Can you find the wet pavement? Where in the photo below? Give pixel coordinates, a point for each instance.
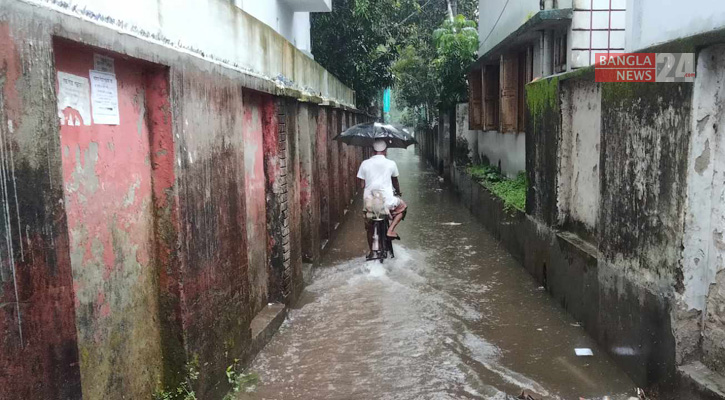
(453, 316)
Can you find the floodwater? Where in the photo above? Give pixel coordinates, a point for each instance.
(453, 316)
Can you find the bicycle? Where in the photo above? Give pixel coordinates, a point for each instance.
(382, 244)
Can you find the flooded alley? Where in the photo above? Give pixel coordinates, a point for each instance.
(453, 316)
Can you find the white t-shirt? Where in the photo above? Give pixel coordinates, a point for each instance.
(377, 172)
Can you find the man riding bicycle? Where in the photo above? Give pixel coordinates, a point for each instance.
(379, 177)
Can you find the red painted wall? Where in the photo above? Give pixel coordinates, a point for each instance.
(334, 169)
(322, 154)
(108, 199)
(208, 120)
(38, 349)
(344, 166)
(132, 249)
(255, 105)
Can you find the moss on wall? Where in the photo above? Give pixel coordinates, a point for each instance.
(541, 95)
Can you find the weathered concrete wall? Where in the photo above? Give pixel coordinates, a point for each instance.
(578, 180)
(131, 250)
(266, 54)
(277, 200)
(638, 225)
(466, 139)
(294, 182)
(507, 150)
(443, 148)
(323, 173)
(255, 105)
(110, 221)
(310, 181)
(209, 121)
(38, 340)
(625, 208)
(334, 168)
(702, 295)
(344, 166)
(645, 136)
(543, 132)
(608, 169)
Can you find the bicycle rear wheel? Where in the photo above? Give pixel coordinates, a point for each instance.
(387, 241)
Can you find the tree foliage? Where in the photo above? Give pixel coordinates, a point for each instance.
(456, 46)
(416, 83)
(356, 43)
(373, 44)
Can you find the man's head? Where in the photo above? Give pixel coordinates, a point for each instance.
(379, 146)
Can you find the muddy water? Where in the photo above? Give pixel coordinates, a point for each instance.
(453, 316)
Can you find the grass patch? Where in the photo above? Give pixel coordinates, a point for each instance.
(511, 191)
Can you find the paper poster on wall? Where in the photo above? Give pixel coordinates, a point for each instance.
(104, 98)
(74, 105)
(103, 63)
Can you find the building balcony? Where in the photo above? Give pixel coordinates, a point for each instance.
(309, 5)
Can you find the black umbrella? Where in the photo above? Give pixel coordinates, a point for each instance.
(365, 134)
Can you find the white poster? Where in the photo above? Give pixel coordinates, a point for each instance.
(103, 63)
(74, 106)
(104, 98)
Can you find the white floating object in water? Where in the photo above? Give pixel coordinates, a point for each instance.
(583, 352)
(451, 223)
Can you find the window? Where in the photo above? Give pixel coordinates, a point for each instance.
(509, 92)
(526, 75)
(517, 70)
(560, 50)
(491, 97)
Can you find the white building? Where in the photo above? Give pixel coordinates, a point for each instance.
(289, 18)
(522, 40)
(653, 22)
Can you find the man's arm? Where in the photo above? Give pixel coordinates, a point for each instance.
(362, 183)
(394, 177)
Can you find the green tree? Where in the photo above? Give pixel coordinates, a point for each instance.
(416, 83)
(421, 81)
(356, 43)
(456, 46)
(371, 44)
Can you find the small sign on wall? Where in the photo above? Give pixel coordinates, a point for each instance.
(74, 106)
(104, 98)
(103, 63)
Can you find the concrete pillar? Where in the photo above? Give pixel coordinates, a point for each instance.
(700, 314)
(294, 273)
(43, 362)
(309, 195)
(334, 167)
(255, 106)
(275, 163)
(344, 168)
(351, 172)
(323, 182)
